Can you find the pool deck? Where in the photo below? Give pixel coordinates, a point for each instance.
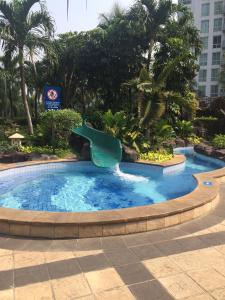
(185, 262)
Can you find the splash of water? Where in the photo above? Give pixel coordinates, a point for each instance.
(128, 177)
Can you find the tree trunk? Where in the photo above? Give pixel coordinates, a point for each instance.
(23, 91)
(150, 49)
(36, 92)
(10, 100)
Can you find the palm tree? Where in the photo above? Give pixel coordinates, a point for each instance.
(157, 13)
(22, 30)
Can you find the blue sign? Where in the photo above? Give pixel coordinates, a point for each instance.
(52, 97)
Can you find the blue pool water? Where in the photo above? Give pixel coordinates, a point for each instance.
(76, 187)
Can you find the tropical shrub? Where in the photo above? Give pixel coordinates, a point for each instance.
(45, 150)
(56, 127)
(194, 140)
(162, 132)
(219, 141)
(6, 147)
(126, 129)
(184, 129)
(157, 156)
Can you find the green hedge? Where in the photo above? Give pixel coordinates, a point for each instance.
(55, 127)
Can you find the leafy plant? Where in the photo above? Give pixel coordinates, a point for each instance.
(157, 156)
(45, 150)
(184, 129)
(219, 141)
(162, 132)
(56, 127)
(194, 140)
(6, 147)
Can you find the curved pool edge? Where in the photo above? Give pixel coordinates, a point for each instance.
(113, 222)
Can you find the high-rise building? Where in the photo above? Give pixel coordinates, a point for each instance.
(209, 17)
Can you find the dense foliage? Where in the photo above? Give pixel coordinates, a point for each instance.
(56, 126)
(219, 141)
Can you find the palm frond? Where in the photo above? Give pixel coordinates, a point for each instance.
(27, 5)
(41, 20)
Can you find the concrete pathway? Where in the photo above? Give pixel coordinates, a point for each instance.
(183, 262)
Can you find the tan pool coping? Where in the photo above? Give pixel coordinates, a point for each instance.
(113, 222)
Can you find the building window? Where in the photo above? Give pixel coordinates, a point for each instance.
(205, 40)
(217, 24)
(215, 74)
(205, 9)
(217, 41)
(202, 90)
(202, 75)
(203, 59)
(216, 58)
(205, 26)
(214, 91)
(218, 7)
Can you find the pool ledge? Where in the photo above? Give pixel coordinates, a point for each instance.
(115, 222)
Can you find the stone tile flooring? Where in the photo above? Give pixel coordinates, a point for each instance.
(182, 262)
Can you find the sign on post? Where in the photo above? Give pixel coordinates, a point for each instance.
(52, 97)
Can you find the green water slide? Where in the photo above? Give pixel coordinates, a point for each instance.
(106, 151)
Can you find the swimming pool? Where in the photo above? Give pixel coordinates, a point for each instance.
(82, 187)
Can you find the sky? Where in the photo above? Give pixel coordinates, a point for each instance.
(81, 18)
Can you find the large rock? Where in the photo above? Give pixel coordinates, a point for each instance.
(13, 157)
(129, 154)
(219, 153)
(204, 148)
(40, 157)
(180, 143)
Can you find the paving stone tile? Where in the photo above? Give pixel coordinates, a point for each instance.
(35, 291)
(162, 267)
(198, 259)
(180, 286)
(218, 294)
(93, 262)
(220, 248)
(6, 263)
(121, 257)
(88, 244)
(191, 243)
(55, 256)
(134, 273)
(150, 290)
(70, 287)
(217, 228)
(169, 247)
(6, 280)
(62, 245)
(89, 297)
(36, 245)
(137, 239)
(213, 238)
(122, 293)
(7, 295)
(113, 242)
(103, 280)
(27, 259)
(85, 253)
(30, 275)
(147, 251)
(208, 279)
(200, 297)
(63, 268)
